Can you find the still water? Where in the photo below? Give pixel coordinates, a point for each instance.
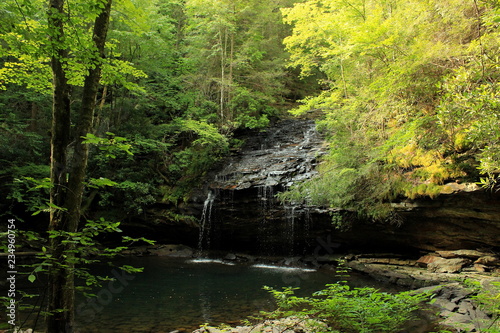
(183, 294)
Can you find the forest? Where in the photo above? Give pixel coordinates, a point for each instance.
(405, 107)
(110, 107)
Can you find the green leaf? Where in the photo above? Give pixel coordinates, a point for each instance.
(101, 182)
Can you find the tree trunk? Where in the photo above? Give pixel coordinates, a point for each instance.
(222, 74)
(67, 192)
(58, 294)
(89, 97)
(230, 85)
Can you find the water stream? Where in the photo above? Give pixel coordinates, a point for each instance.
(206, 222)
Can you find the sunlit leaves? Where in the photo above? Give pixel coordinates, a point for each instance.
(28, 44)
(411, 92)
(124, 74)
(101, 182)
(110, 146)
(22, 59)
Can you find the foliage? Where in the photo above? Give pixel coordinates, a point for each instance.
(129, 197)
(407, 107)
(27, 187)
(19, 145)
(346, 309)
(235, 49)
(110, 146)
(87, 249)
(202, 145)
(28, 49)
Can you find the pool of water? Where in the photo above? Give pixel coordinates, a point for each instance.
(183, 294)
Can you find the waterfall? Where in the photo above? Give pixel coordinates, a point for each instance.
(266, 198)
(206, 222)
(307, 226)
(290, 228)
(248, 214)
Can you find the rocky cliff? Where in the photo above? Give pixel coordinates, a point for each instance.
(237, 209)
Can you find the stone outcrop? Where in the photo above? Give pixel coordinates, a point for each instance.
(402, 275)
(448, 265)
(459, 220)
(453, 302)
(281, 156)
(458, 309)
(429, 269)
(457, 261)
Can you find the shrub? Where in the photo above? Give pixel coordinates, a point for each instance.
(347, 309)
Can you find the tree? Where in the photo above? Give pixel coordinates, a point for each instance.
(68, 174)
(235, 50)
(408, 95)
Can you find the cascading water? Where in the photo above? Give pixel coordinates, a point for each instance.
(206, 222)
(307, 224)
(290, 228)
(267, 203)
(269, 162)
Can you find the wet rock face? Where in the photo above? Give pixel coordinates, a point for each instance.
(281, 156)
(239, 209)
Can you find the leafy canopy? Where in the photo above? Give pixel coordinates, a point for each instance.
(410, 99)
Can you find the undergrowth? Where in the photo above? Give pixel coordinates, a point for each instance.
(340, 308)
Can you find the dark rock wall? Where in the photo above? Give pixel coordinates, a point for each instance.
(249, 221)
(462, 220)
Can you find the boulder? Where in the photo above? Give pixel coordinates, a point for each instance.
(230, 256)
(442, 265)
(426, 260)
(481, 268)
(457, 308)
(459, 320)
(488, 261)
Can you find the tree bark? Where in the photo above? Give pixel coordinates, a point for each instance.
(89, 98)
(230, 85)
(68, 180)
(58, 294)
(222, 73)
